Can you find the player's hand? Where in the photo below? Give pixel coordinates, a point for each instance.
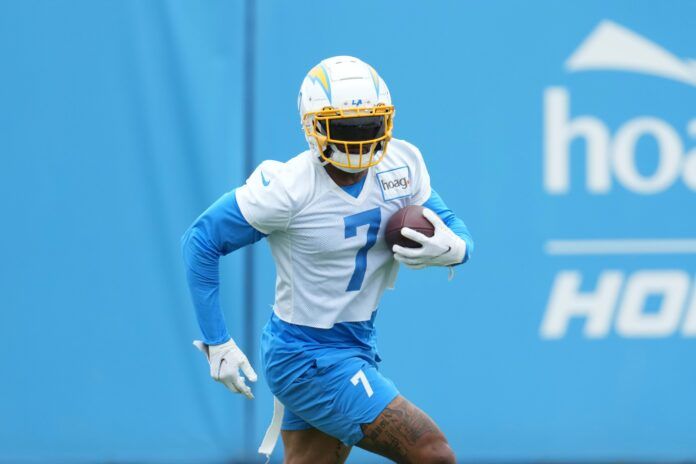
(444, 248)
(226, 360)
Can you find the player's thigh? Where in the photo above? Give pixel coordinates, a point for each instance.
(312, 446)
(405, 434)
(338, 398)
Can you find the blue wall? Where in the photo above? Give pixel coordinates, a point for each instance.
(121, 121)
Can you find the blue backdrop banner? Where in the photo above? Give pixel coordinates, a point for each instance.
(563, 133)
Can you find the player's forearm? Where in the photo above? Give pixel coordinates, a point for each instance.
(457, 226)
(203, 276)
(220, 230)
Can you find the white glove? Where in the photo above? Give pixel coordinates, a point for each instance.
(225, 362)
(444, 248)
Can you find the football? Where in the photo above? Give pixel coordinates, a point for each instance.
(411, 217)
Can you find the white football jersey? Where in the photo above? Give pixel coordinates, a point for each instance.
(332, 261)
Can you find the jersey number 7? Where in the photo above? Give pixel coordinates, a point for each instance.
(373, 218)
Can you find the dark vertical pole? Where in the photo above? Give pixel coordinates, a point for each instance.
(249, 286)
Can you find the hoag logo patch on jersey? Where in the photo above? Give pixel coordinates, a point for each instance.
(395, 183)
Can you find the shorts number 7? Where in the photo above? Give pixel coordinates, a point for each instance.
(362, 378)
(373, 218)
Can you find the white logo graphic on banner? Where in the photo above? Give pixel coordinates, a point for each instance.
(612, 47)
(619, 300)
(610, 158)
(606, 304)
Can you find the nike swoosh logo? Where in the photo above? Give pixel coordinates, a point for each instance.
(264, 181)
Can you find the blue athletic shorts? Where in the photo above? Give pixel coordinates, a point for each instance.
(328, 380)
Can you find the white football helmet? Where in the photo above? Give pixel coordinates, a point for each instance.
(346, 113)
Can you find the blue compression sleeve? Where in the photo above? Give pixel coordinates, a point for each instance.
(220, 230)
(453, 222)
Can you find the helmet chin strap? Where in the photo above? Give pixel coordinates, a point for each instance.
(350, 170)
(343, 158)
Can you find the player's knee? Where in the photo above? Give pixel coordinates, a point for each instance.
(437, 451)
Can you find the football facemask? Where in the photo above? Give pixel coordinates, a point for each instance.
(362, 134)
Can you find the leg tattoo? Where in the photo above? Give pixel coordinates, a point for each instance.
(403, 433)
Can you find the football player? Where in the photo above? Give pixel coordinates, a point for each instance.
(323, 214)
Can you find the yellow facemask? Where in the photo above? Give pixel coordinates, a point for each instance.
(317, 125)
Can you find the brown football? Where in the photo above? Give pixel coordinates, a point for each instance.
(411, 217)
